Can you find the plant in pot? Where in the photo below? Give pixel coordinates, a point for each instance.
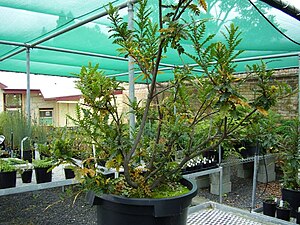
(63, 149)
(26, 174)
(43, 170)
(23, 167)
(8, 175)
(283, 210)
(289, 159)
(269, 206)
(177, 122)
(260, 135)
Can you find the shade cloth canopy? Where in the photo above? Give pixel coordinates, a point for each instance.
(266, 32)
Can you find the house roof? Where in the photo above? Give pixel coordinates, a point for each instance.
(52, 88)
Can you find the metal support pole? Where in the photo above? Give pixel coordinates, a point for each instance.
(131, 73)
(256, 159)
(28, 114)
(299, 87)
(221, 185)
(299, 105)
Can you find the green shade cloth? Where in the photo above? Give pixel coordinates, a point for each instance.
(24, 21)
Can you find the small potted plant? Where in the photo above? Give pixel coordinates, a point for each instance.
(269, 206)
(43, 170)
(8, 174)
(289, 160)
(63, 148)
(283, 210)
(23, 168)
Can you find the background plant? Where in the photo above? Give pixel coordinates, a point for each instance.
(15, 123)
(289, 158)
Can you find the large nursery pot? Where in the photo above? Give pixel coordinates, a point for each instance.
(293, 198)
(8, 179)
(112, 209)
(42, 175)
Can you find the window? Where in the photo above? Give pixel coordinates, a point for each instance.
(46, 117)
(13, 102)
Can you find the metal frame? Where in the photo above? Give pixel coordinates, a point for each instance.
(280, 4)
(207, 172)
(285, 7)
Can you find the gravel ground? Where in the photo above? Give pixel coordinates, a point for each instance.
(241, 193)
(54, 207)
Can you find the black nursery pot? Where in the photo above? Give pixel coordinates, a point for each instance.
(269, 208)
(112, 209)
(27, 155)
(293, 198)
(69, 173)
(298, 217)
(8, 179)
(26, 176)
(283, 214)
(42, 176)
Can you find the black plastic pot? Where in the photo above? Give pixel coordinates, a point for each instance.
(283, 213)
(293, 198)
(249, 149)
(69, 173)
(269, 208)
(42, 176)
(298, 218)
(26, 176)
(112, 209)
(27, 155)
(8, 179)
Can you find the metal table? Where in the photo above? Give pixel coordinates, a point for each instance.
(207, 172)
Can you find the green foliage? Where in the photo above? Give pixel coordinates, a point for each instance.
(15, 161)
(271, 199)
(42, 163)
(289, 153)
(170, 190)
(16, 123)
(191, 114)
(6, 166)
(285, 205)
(61, 146)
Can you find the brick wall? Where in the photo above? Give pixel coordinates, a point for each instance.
(287, 106)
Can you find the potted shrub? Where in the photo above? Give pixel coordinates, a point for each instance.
(8, 175)
(43, 170)
(177, 122)
(289, 160)
(63, 149)
(23, 168)
(269, 206)
(283, 210)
